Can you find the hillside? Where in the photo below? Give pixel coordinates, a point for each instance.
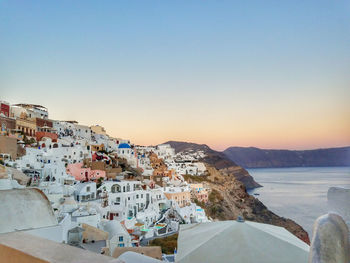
(217, 160)
(251, 157)
(229, 199)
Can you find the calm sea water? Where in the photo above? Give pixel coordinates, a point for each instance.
(299, 193)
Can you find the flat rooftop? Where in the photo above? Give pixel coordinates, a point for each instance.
(21, 247)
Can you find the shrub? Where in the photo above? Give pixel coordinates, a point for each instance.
(199, 203)
(215, 196)
(168, 244)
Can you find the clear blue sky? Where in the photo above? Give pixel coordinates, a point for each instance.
(273, 74)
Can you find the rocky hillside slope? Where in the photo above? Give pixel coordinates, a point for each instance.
(261, 158)
(229, 199)
(217, 160)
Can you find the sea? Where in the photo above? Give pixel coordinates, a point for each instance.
(298, 193)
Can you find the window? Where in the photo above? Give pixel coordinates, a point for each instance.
(121, 245)
(137, 196)
(116, 188)
(88, 189)
(121, 238)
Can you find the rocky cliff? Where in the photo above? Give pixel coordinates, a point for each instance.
(251, 157)
(217, 160)
(229, 199)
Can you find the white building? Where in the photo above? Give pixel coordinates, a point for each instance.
(85, 191)
(117, 235)
(125, 151)
(72, 129)
(83, 131)
(30, 110)
(164, 151)
(51, 160)
(126, 199)
(86, 215)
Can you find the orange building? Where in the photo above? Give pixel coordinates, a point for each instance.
(182, 198)
(159, 167)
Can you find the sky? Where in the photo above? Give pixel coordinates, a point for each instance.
(269, 74)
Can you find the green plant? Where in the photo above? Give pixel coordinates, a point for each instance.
(168, 244)
(215, 196)
(199, 203)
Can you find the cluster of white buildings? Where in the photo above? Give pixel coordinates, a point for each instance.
(78, 168)
(75, 184)
(182, 163)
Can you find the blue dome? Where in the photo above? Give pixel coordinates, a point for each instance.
(124, 146)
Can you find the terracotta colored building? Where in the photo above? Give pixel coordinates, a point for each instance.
(4, 108)
(43, 123)
(157, 179)
(159, 167)
(41, 134)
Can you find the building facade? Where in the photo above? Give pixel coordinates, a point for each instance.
(5, 108)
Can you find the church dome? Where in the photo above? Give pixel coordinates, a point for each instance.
(124, 146)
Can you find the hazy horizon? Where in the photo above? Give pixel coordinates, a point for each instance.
(269, 74)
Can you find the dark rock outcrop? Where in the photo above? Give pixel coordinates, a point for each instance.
(251, 157)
